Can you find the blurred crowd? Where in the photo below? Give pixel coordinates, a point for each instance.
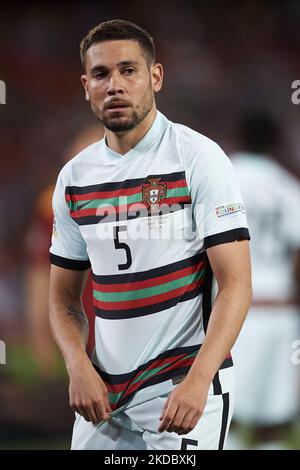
(220, 60)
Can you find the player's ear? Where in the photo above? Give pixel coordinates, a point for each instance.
(83, 79)
(157, 74)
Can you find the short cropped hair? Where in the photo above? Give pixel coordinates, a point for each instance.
(115, 30)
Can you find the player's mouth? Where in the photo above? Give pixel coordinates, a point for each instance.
(116, 106)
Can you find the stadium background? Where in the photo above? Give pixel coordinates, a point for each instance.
(220, 58)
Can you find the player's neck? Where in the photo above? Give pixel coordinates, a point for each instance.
(125, 141)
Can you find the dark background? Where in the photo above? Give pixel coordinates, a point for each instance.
(220, 59)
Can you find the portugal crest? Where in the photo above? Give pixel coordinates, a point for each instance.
(153, 193)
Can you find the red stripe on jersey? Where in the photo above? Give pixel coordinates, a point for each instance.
(117, 388)
(119, 192)
(127, 305)
(135, 207)
(135, 285)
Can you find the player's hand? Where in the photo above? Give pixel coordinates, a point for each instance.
(184, 407)
(88, 394)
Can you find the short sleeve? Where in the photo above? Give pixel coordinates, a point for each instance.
(217, 203)
(68, 248)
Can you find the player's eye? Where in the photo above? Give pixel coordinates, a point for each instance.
(129, 71)
(100, 75)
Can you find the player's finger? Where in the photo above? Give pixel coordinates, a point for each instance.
(76, 409)
(195, 419)
(89, 410)
(101, 412)
(177, 420)
(83, 413)
(168, 416)
(186, 423)
(107, 404)
(164, 407)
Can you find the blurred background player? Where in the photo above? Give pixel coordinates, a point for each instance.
(37, 276)
(267, 388)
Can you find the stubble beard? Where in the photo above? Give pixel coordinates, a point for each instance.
(121, 124)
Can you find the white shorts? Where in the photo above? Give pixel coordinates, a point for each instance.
(136, 428)
(267, 381)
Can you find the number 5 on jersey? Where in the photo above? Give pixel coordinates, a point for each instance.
(122, 246)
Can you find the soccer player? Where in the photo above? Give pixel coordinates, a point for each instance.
(155, 210)
(269, 404)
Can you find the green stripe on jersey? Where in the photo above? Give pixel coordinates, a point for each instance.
(121, 200)
(148, 291)
(148, 373)
(114, 397)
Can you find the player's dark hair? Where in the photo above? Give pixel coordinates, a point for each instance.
(119, 29)
(258, 132)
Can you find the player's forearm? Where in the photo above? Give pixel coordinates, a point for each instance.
(69, 327)
(227, 317)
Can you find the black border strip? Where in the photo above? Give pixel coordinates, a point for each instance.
(150, 273)
(217, 384)
(75, 265)
(228, 362)
(206, 299)
(225, 414)
(129, 183)
(237, 234)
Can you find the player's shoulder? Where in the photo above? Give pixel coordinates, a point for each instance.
(76, 164)
(197, 148)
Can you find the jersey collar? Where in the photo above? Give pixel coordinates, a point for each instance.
(154, 134)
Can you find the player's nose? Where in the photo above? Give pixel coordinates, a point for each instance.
(115, 85)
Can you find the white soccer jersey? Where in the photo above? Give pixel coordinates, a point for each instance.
(132, 218)
(272, 199)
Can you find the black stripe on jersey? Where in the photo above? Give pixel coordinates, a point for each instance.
(225, 414)
(237, 234)
(150, 273)
(75, 265)
(149, 309)
(217, 385)
(227, 363)
(206, 299)
(156, 379)
(162, 377)
(95, 219)
(206, 309)
(129, 183)
(115, 379)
